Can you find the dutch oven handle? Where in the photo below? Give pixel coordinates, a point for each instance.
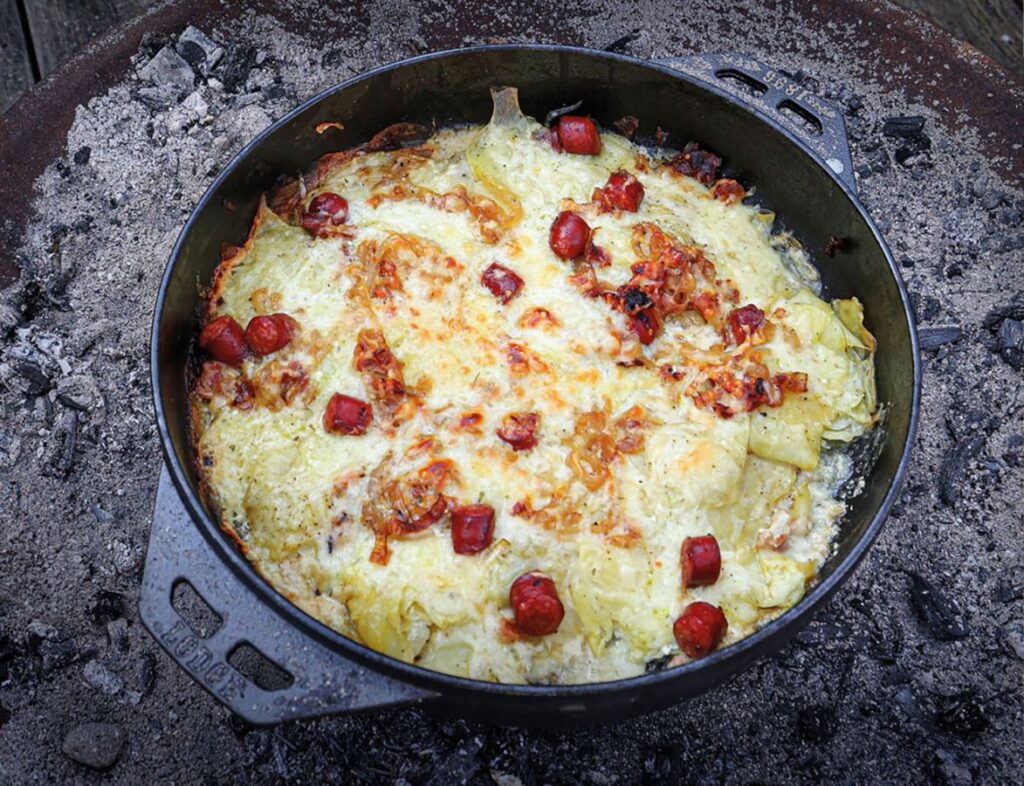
(311, 679)
(816, 122)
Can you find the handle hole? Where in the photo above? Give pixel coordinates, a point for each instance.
(800, 115)
(190, 605)
(258, 668)
(754, 87)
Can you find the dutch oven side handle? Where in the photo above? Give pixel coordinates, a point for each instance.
(308, 680)
(816, 122)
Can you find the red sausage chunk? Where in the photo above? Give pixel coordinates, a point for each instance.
(472, 528)
(744, 322)
(224, 340)
(264, 335)
(702, 561)
(347, 415)
(622, 192)
(569, 235)
(503, 283)
(325, 211)
(699, 629)
(578, 135)
(519, 429)
(536, 605)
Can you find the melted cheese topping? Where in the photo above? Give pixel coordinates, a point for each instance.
(297, 497)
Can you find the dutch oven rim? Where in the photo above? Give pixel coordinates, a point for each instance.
(780, 628)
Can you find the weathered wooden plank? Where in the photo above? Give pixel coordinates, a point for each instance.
(15, 61)
(62, 27)
(992, 26)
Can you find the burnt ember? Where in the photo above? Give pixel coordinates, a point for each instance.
(931, 338)
(904, 127)
(935, 611)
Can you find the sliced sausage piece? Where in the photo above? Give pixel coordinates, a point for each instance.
(472, 528)
(700, 629)
(569, 235)
(224, 340)
(536, 605)
(578, 135)
(503, 283)
(744, 322)
(347, 415)
(325, 211)
(264, 335)
(701, 560)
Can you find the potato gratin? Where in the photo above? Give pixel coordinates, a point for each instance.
(528, 404)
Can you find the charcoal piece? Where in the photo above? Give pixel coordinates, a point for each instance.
(107, 606)
(101, 678)
(58, 653)
(903, 127)
(816, 722)
(950, 770)
(10, 449)
(1010, 586)
(36, 380)
(937, 613)
(198, 50)
(961, 713)
(622, 44)
(151, 43)
(168, 69)
(234, 68)
(931, 338)
(59, 456)
(460, 766)
(82, 155)
(912, 147)
(1010, 340)
(158, 99)
(953, 473)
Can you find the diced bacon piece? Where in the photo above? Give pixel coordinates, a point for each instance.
(519, 430)
(697, 163)
(503, 283)
(728, 191)
(744, 322)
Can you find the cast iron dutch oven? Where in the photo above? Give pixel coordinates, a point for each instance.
(773, 135)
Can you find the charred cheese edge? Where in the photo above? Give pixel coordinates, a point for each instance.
(296, 497)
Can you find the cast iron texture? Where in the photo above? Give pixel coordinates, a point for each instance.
(445, 88)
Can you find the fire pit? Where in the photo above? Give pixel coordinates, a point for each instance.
(920, 657)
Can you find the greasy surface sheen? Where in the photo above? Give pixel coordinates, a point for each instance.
(297, 496)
